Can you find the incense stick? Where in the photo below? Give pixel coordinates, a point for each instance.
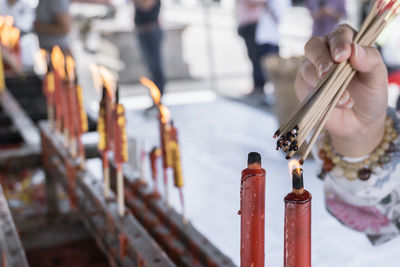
(311, 115)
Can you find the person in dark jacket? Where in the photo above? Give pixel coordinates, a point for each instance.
(150, 35)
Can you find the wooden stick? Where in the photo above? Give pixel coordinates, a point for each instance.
(106, 175)
(120, 190)
(326, 117)
(305, 102)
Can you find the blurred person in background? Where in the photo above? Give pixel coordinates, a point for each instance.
(53, 24)
(21, 11)
(150, 36)
(326, 15)
(267, 37)
(248, 14)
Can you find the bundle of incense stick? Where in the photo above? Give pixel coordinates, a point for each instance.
(313, 112)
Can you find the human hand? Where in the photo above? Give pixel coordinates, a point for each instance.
(357, 124)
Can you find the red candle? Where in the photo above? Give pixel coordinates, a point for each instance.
(155, 153)
(120, 142)
(252, 211)
(297, 244)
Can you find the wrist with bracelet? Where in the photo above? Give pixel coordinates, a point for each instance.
(363, 168)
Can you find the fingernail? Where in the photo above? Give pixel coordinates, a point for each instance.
(339, 53)
(323, 68)
(351, 104)
(345, 97)
(359, 51)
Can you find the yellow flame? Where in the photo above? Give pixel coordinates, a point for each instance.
(109, 81)
(154, 91)
(58, 61)
(97, 83)
(41, 60)
(14, 36)
(70, 67)
(165, 113)
(2, 21)
(8, 20)
(293, 164)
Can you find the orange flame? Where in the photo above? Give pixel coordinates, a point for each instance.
(70, 67)
(2, 21)
(8, 20)
(58, 61)
(165, 113)
(293, 164)
(9, 34)
(14, 36)
(41, 60)
(154, 91)
(108, 80)
(95, 72)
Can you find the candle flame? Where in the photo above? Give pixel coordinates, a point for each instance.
(8, 20)
(154, 91)
(165, 113)
(9, 34)
(293, 165)
(97, 83)
(41, 61)
(2, 21)
(108, 80)
(58, 61)
(70, 67)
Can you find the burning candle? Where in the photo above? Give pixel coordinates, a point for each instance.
(103, 141)
(165, 128)
(297, 243)
(83, 125)
(73, 114)
(48, 84)
(164, 131)
(105, 125)
(252, 211)
(120, 149)
(57, 60)
(177, 167)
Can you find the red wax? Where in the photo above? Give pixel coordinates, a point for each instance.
(297, 248)
(153, 164)
(117, 141)
(73, 110)
(252, 210)
(58, 97)
(66, 105)
(163, 143)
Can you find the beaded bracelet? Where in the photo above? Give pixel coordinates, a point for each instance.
(373, 164)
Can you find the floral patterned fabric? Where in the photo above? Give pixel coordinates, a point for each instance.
(371, 206)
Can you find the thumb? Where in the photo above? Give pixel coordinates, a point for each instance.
(367, 61)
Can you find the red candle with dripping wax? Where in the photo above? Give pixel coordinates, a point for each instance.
(154, 154)
(120, 141)
(297, 232)
(252, 211)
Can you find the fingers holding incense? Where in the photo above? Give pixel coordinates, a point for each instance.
(340, 43)
(309, 73)
(369, 65)
(317, 51)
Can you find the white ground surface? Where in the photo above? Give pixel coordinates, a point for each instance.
(215, 138)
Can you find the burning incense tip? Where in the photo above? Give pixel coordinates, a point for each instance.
(276, 134)
(288, 157)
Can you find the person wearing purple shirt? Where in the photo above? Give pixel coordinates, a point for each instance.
(326, 15)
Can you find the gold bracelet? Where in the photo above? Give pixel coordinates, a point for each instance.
(373, 164)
